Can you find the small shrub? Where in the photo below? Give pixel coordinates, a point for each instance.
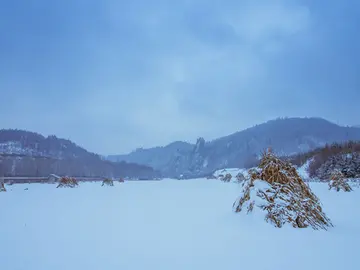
(108, 182)
(338, 182)
(67, 182)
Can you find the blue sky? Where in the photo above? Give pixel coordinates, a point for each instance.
(116, 75)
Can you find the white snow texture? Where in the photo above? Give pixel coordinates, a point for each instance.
(166, 225)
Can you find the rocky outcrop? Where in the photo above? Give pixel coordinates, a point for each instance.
(196, 162)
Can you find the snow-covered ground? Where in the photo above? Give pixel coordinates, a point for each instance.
(167, 225)
(303, 170)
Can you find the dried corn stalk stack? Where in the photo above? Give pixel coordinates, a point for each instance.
(240, 177)
(67, 182)
(2, 187)
(227, 178)
(108, 182)
(276, 189)
(337, 182)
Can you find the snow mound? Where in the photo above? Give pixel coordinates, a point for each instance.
(277, 190)
(337, 182)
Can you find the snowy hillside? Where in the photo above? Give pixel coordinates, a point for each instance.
(16, 148)
(24, 153)
(22, 142)
(162, 225)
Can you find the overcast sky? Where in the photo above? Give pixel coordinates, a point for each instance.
(115, 75)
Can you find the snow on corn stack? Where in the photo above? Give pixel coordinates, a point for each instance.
(337, 182)
(69, 182)
(227, 178)
(240, 177)
(2, 187)
(108, 182)
(276, 189)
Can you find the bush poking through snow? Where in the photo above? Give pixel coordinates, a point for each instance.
(276, 188)
(2, 187)
(108, 182)
(337, 182)
(67, 182)
(227, 177)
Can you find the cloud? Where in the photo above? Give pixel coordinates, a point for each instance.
(116, 75)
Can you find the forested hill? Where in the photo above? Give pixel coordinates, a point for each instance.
(24, 153)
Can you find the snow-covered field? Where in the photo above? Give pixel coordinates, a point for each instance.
(166, 225)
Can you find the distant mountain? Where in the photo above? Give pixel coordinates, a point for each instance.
(286, 136)
(24, 153)
(157, 157)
